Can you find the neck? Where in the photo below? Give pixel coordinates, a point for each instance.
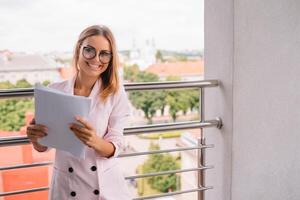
(84, 82)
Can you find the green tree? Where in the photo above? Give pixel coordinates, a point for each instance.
(161, 101)
(6, 85)
(147, 101)
(159, 56)
(194, 96)
(175, 104)
(23, 83)
(46, 82)
(162, 162)
(12, 113)
(174, 99)
(151, 101)
(181, 100)
(131, 72)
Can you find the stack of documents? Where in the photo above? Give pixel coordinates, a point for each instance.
(56, 110)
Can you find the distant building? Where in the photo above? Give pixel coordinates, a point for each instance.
(32, 67)
(143, 56)
(186, 70)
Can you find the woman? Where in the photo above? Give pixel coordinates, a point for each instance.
(98, 176)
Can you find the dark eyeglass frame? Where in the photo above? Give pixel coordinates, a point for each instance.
(101, 54)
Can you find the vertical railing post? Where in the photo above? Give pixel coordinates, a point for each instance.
(201, 151)
(201, 163)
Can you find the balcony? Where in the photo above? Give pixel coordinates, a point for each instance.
(30, 165)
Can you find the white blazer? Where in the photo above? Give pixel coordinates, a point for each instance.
(108, 119)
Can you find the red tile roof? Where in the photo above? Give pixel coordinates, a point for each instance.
(183, 68)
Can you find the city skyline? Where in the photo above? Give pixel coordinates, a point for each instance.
(32, 26)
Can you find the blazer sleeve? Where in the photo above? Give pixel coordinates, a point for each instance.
(118, 119)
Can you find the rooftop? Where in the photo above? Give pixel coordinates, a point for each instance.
(25, 62)
(182, 68)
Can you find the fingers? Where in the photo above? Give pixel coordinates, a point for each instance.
(36, 131)
(37, 134)
(38, 127)
(80, 129)
(84, 122)
(85, 139)
(82, 133)
(32, 121)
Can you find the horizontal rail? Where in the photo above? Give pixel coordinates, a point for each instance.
(23, 191)
(121, 155)
(168, 172)
(28, 92)
(16, 93)
(13, 140)
(173, 193)
(139, 198)
(127, 177)
(172, 126)
(26, 165)
(162, 151)
(170, 85)
(19, 140)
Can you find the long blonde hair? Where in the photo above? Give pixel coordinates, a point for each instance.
(109, 78)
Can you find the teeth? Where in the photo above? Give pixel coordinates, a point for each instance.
(94, 66)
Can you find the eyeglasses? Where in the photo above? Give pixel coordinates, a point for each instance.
(89, 53)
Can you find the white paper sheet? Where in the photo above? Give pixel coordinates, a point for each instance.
(57, 110)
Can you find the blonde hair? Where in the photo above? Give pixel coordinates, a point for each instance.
(109, 78)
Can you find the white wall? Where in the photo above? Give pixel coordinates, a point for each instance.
(218, 62)
(252, 47)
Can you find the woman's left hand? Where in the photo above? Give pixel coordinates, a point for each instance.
(85, 132)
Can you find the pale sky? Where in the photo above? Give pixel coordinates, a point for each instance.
(54, 25)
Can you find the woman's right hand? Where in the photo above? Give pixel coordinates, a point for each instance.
(34, 132)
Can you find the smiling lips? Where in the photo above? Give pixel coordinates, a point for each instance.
(95, 67)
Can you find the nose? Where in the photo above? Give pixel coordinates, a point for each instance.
(97, 59)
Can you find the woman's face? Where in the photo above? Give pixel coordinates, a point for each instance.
(94, 55)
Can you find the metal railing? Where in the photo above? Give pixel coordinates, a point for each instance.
(200, 147)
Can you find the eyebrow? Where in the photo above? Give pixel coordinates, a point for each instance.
(100, 50)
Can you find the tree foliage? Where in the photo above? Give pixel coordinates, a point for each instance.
(151, 101)
(12, 111)
(6, 85)
(23, 84)
(131, 72)
(147, 101)
(158, 163)
(159, 56)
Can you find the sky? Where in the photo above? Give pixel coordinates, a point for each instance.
(54, 25)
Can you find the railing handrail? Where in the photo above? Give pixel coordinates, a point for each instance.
(171, 85)
(168, 172)
(46, 163)
(24, 191)
(18, 140)
(173, 193)
(138, 198)
(28, 92)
